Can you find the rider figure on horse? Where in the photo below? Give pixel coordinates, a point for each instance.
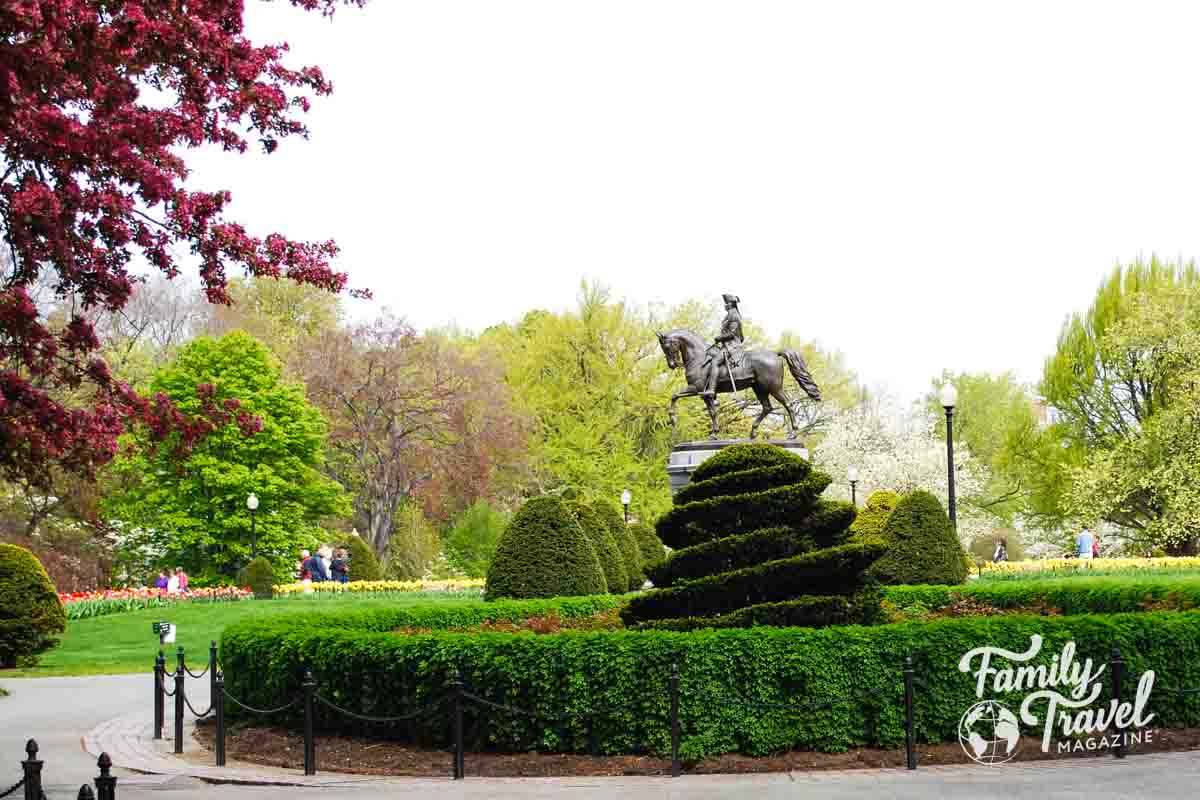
(727, 351)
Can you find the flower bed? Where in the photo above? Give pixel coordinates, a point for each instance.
(1063, 567)
(472, 586)
(84, 605)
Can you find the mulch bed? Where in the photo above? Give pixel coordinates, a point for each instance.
(278, 747)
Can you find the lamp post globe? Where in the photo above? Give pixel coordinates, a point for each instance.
(252, 504)
(852, 477)
(626, 499)
(949, 397)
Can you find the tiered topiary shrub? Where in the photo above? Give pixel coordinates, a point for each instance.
(544, 552)
(631, 555)
(612, 563)
(922, 546)
(755, 546)
(364, 566)
(871, 519)
(30, 611)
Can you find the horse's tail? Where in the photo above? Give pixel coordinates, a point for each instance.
(800, 372)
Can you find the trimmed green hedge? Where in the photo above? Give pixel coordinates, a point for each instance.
(704, 520)
(722, 674)
(832, 571)
(922, 546)
(30, 611)
(805, 612)
(649, 545)
(741, 457)
(1083, 595)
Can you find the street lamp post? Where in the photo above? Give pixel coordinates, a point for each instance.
(626, 499)
(252, 504)
(852, 476)
(949, 400)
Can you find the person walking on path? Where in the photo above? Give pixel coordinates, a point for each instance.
(1083, 544)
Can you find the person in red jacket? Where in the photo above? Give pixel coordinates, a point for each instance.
(182, 576)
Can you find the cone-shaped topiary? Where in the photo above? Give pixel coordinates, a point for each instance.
(755, 546)
(544, 552)
(260, 577)
(30, 611)
(649, 545)
(871, 519)
(612, 563)
(922, 546)
(614, 519)
(364, 566)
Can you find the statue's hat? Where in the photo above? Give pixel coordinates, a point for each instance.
(730, 298)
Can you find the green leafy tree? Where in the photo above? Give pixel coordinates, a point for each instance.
(472, 541)
(1104, 389)
(1147, 482)
(188, 506)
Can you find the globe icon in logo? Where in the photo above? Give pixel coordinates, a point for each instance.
(988, 732)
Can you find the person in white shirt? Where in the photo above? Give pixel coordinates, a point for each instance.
(173, 583)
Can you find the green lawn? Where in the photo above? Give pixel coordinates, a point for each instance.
(123, 643)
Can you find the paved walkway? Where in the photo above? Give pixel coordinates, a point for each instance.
(67, 715)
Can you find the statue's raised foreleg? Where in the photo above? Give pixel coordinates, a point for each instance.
(674, 416)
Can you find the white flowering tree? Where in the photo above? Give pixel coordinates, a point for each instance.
(897, 450)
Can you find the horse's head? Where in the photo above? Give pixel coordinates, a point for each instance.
(670, 348)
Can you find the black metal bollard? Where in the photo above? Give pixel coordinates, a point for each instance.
(1118, 672)
(212, 668)
(460, 761)
(160, 676)
(86, 793)
(910, 744)
(32, 769)
(218, 702)
(310, 746)
(106, 782)
(675, 766)
(179, 706)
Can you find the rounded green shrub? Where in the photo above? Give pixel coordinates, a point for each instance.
(872, 518)
(741, 457)
(612, 562)
(30, 611)
(260, 577)
(631, 556)
(922, 546)
(649, 545)
(544, 552)
(364, 566)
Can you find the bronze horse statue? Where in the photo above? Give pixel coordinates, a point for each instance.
(761, 370)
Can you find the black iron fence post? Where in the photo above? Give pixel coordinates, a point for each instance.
(910, 750)
(179, 658)
(85, 793)
(456, 687)
(218, 704)
(1118, 670)
(106, 782)
(212, 668)
(160, 676)
(179, 705)
(675, 767)
(32, 769)
(310, 747)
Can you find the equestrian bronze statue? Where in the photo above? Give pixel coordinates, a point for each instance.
(727, 366)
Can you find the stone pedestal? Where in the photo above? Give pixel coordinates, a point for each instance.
(686, 456)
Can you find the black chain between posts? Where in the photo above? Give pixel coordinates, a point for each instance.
(253, 710)
(163, 686)
(188, 703)
(203, 672)
(368, 718)
(12, 788)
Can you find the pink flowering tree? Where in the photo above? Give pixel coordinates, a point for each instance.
(100, 100)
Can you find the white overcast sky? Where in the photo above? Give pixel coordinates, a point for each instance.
(920, 185)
